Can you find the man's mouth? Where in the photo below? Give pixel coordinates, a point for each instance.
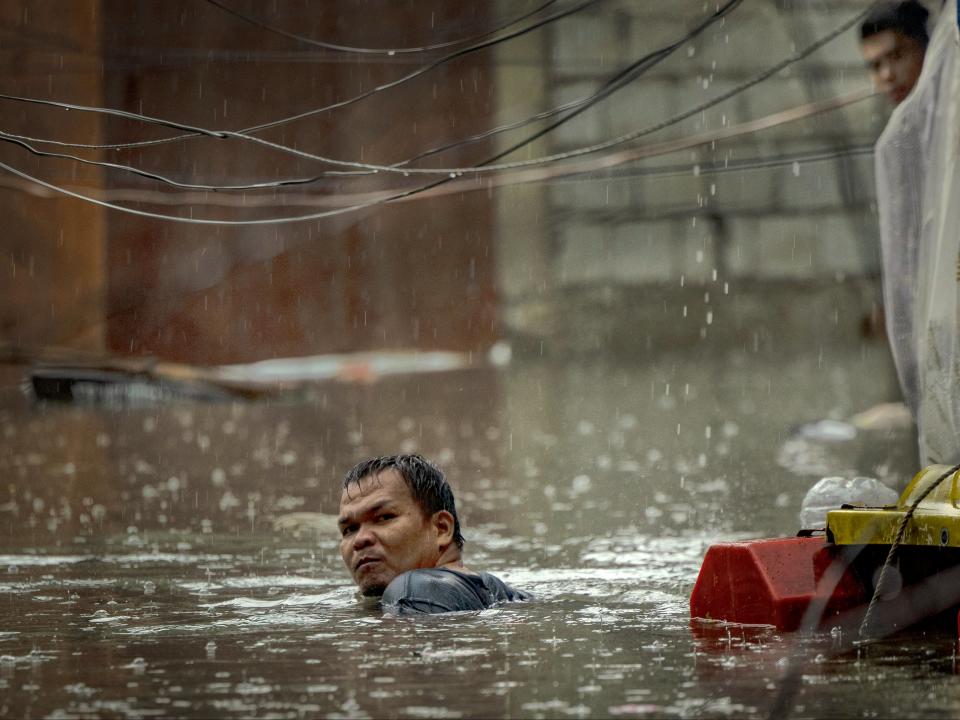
(364, 561)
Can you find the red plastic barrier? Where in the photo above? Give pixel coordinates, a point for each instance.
(769, 582)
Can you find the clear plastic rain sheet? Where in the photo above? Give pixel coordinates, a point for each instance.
(917, 184)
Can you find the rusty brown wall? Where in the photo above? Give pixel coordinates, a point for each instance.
(418, 274)
(51, 247)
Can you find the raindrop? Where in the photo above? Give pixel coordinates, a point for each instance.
(796, 169)
(580, 484)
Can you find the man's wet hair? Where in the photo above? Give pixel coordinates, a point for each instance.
(428, 486)
(907, 18)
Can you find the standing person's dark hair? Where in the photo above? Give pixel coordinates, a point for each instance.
(426, 483)
(907, 18)
(893, 41)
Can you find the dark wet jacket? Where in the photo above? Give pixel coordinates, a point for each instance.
(439, 590)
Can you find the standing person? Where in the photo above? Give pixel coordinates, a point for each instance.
(893, 42)
(401, 539)
(918, 199)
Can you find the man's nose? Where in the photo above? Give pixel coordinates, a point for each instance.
(886, 72)
(363, 538)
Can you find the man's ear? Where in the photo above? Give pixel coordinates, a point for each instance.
(444, 524)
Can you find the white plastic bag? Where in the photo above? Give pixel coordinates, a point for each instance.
(832, 492)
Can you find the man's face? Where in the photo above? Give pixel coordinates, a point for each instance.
(894, 62)
(384, 532)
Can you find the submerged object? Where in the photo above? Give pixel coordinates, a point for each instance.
(819, 581)
(118, 380)
(132, 380)
(828, 431)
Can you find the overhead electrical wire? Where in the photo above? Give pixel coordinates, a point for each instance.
(615, 82)
(377, 51)
(309, 113)
(719, 167)
(518, 164)
(795, 57)
(525, 176)
(619, 80)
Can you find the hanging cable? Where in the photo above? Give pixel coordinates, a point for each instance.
(496, 167)
(620, 80)
(157, 197)
(378, 51)
(309, 113)
(527, 175)
(14, 140)
(617, 81)
(726, 166)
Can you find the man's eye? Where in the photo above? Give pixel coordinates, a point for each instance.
(386, 516)
(348, 530)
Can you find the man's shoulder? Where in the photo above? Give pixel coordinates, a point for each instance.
(501, 591)
(423, 579)
(432, 590)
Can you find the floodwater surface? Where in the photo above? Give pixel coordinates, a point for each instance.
(181, 558)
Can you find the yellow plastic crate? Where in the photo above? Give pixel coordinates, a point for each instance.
(935, 523)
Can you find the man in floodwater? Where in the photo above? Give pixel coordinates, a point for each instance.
(893, 41)
(401, 539)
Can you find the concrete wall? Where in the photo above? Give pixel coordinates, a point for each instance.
(669, 223)
(449, 272)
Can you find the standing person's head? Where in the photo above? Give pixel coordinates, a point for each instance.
(893, 41)
(397, 513)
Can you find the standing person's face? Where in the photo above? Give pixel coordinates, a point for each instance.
(384, 533)
(894, 62)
